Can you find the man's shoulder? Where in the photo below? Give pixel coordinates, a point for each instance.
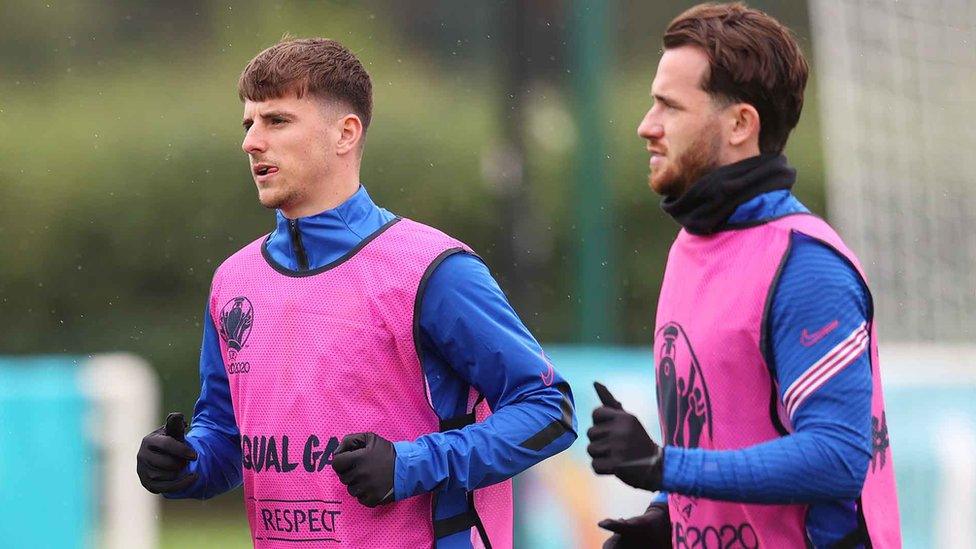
(822, 260)
(404, 228)
(819, 275)
(421, 228)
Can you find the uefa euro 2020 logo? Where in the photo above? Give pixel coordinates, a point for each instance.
(236, 319)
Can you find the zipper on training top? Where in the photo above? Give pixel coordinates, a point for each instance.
(296, 245)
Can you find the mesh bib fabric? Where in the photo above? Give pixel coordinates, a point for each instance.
(314, 355)
(715, 390)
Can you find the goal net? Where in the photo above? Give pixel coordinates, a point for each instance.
(897, 90)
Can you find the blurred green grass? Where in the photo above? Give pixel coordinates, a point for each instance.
(218, 523)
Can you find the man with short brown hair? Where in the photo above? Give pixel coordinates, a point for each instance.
(362, 374)
(768, 388)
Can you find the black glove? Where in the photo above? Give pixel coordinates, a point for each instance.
(652, 530)
(364, 463)
(163, 455)
(620, 446)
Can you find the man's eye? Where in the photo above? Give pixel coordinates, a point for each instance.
(277, 121)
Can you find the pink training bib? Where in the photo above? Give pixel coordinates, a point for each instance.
(314, 355)
(715, 390)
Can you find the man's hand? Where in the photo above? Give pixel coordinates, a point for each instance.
(163, 455)
(652, 530)
(364, 463)
(620, 446)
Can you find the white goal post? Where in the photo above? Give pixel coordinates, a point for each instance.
(124, 394)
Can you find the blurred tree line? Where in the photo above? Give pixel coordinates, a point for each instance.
(123, 184)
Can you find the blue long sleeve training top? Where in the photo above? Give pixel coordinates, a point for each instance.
(818, 303)
(469, 336)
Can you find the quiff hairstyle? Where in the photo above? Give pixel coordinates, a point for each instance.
(317, 66)
(752, 58)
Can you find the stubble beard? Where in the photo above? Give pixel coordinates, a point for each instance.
(280, 198)
(700, 158)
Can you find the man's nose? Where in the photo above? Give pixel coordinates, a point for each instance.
(253, 141)
(649, 128)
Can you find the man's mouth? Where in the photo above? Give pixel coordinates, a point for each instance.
(264, 169)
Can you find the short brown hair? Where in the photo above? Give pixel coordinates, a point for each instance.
(752, 59)
(317, 66)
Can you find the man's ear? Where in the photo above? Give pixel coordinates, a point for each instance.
(745, 124)
(350, 133)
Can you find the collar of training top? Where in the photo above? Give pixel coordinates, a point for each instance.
(707, 204)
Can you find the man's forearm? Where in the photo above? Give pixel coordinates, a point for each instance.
(218, 464)
(508, 442)
(799, 468)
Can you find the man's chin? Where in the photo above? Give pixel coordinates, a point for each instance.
(270, 201)
(664, 186)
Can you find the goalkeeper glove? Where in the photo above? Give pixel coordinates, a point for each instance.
(163, 455)
(650, 530)
(620, 446)
(365, 463)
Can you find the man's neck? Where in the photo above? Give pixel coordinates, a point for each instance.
(329, 195)
(707, 204)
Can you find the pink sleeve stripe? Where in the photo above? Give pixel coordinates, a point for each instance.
(827, 367)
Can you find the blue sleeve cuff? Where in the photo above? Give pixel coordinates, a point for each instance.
(409, 479)
(218, 465)
(675, 478)
(192, 467)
